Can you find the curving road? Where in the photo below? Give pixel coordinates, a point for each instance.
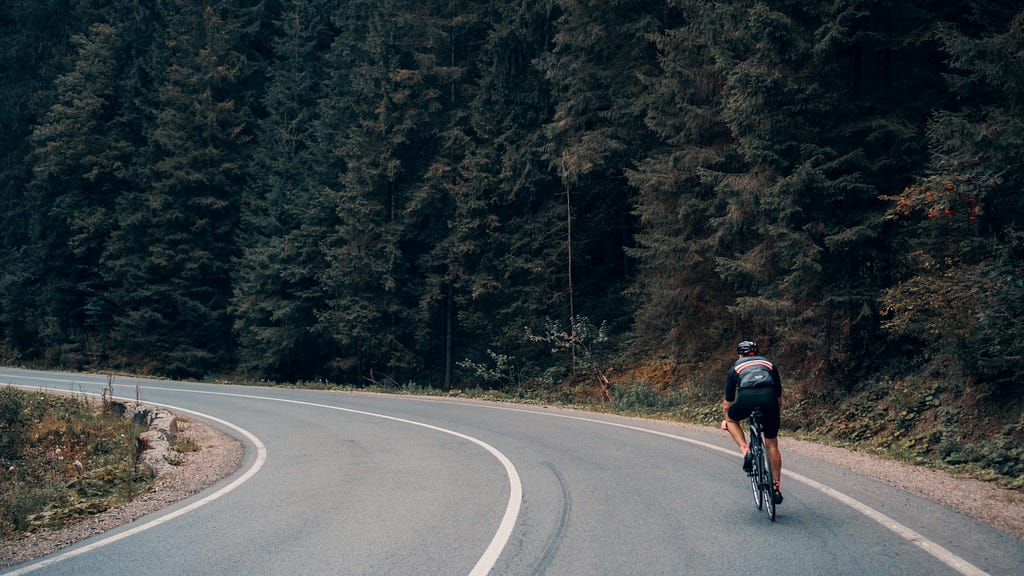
(364, 484)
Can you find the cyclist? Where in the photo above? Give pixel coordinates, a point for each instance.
(754, 382)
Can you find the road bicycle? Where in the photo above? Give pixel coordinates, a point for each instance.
(762, 480)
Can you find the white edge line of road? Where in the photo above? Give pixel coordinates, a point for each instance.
(261, 458)
(515, 497)
(498, 543)
(483, 565)
(937, 551)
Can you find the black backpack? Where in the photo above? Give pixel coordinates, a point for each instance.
(754, 372)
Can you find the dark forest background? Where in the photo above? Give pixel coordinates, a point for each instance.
(538, 195)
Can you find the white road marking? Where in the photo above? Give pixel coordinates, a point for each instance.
(943, 555)
(261, 458)
(515, 498)
(483, 565)
(935, 550)
(490, 557)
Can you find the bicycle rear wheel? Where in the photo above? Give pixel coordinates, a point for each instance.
(767, 484)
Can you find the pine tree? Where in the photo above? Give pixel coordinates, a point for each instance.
(497, 271)
(458, 32)
(599, 53)
(681, 303)
(275, 288)
(962, 223)
(34, 46)
(772, 258)
(168, 260)
(80, 164)
(782, 125)
(800, 229)
(388, 91)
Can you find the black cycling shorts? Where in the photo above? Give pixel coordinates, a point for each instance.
(763, 398)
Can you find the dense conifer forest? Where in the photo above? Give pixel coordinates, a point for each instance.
(533, 195)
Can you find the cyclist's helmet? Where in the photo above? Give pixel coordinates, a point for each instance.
(747, 348)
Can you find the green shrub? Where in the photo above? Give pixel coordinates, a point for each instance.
(21, 501)
(12, 422)
(61, 459)
(641, 397)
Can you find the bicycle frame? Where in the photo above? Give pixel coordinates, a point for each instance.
(761, 476)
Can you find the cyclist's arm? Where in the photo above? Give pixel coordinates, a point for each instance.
(730, 396)
(730, 387)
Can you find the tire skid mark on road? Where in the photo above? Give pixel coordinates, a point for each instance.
(934, 549)
(563, 521)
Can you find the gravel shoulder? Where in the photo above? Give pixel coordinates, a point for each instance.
(1001, 508)
(220, 455)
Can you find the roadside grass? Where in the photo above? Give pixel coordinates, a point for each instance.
(63, 458)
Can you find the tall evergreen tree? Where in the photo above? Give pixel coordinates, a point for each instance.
(34, 48)
(391, 92)
(496, 273)
(960, 293)
(599, 54)
(168, 260)
(80, 164)
(680, 300)
(457, 32)
(794, 225)
(779, 115)
(275, 285)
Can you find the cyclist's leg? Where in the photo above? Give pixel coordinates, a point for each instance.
(774, 456)
(736, 431)
(771, 416)
(737, 412)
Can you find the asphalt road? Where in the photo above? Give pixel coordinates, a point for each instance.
(364, 484)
